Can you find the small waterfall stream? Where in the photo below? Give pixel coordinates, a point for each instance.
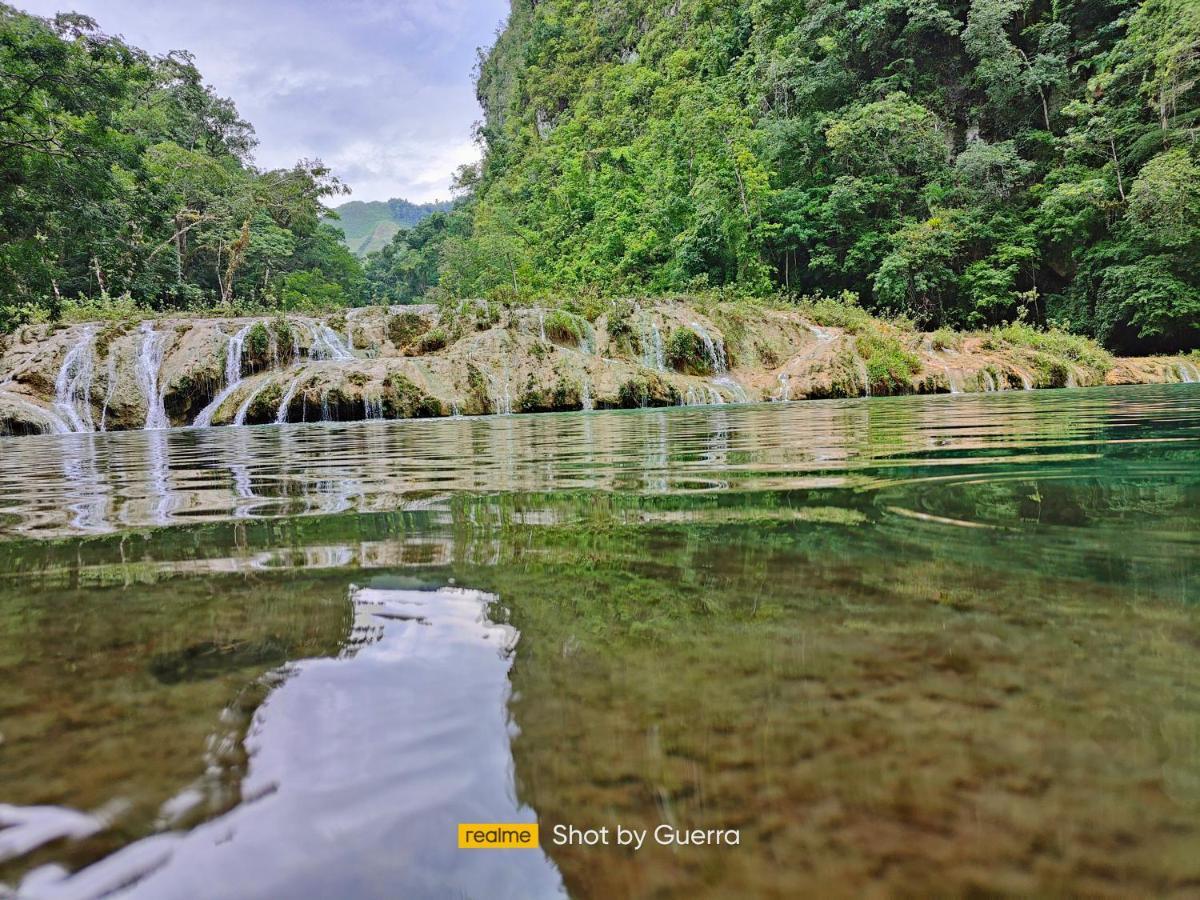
(654, 355)
(233, 376)
(73, 386)
(149, 363)
(714, 348)
(281, 414)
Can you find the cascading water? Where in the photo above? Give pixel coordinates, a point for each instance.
(372, 408)
(654, 355)
(714, 348)
(149, 364)
(785, 388)
(73, 386)
(326, 343)
(585, 398)
(239, 418)
(863, 374)
(986, 381)
(51, 422)
(1189, 373)
(281, 414)
(233, 376)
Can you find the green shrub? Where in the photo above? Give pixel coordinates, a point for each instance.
(685, 352)
(433, 340)
(844, 312)
(563, 327)
(945, 339)
(257, 350)
(1065, 347)
(103, 309)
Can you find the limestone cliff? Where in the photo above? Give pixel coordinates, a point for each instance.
(419, 361)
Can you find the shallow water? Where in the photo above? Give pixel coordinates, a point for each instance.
(914, 645)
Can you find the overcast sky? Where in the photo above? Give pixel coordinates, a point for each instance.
(379, 89)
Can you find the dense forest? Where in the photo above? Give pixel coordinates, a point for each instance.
(125, 182)
(962, 163)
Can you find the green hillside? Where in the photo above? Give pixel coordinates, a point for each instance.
(960, 162)
(369, 225)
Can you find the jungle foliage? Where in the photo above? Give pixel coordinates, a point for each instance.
(126, 183)
(965, 163)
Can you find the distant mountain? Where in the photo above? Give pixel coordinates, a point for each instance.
(369, 225)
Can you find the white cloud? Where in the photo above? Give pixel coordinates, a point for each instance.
(381, 91)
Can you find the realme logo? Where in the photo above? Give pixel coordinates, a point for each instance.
(496, 836)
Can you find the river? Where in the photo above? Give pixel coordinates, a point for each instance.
(912, 646)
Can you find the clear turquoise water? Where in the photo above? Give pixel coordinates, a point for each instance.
(916, 645)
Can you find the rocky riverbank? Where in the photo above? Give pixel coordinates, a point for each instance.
(480, 358)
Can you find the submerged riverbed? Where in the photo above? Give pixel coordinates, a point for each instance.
(922, 645)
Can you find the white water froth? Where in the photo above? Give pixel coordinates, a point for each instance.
(233, 376)
(149, 364)
(73, 386)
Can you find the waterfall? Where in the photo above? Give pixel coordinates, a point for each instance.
(986, 381)
(73, 386)
(715, 349)
(244, 410)
(654, 356)
(1188, 373)
(542, 324)
(149, 363)
(281, 415)
(586, 393)
(502, 402)
(53, 424)
(350, 314)
(861, 369)
(372, 408)
(785, 387)
(821, 334)
(326, 343)
(736, 391)
(233, 376)
(1071, 380)
(325, 412)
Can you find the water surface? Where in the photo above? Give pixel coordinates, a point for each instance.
(936, 644)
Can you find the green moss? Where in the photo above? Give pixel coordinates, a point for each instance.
(107, 335)
(405, 327)
(1049, 372)
(562, 396)
(649, 391)
(402, 399)
(889, 366)
(479, 401)
(685, 352)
